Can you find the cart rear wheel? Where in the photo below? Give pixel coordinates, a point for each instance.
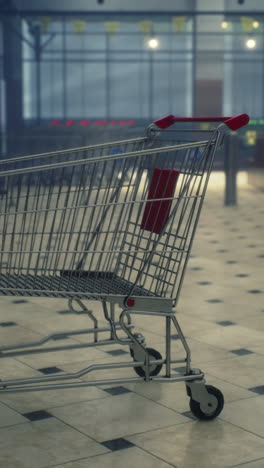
(154, 370)
(196, 407)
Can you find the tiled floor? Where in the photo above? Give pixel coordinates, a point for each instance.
(221, 311)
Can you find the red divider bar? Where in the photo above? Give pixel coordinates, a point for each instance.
(157, 213)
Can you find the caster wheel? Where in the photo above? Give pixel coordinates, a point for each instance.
(196, 408)
(154, 370)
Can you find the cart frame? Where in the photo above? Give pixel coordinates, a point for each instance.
(160, 299)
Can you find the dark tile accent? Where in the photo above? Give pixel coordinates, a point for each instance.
(231, 261)
(180, 369)
(251, 246)
(214, 301)
(50, 370)
(234, 230)
(196, 268)
(242, 237)
(260, 256)
(117, 352)
(60, 337)
(204, 283)
(189, 414)
(213, 242)
(222, 251)
(83, 312)
(225, 323)
(208, 233)
(8, 324)
(242, 275)
(175, 337)
(259, 390)
(258, 226)
(20, 301)
(255, 291)
(241, 351)
(37, 415)
(117, 390)
(117, 444)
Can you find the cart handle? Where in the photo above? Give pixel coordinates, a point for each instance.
(234, 123)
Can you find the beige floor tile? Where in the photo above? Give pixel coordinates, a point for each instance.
(23, 313)
(149, 338)
(245, 371)
(57, 358)
(252, 464)
(257, 349)
(50, 398)
(215, 312)
(191, 324)
(129, 458)
(44, 443)
(52, 323)
(117, 416)
(200, 352)
(247, 414)
(216, 444)
(12, 369)
(103, 373)
(17, 335)
(9, 417)
(173, 394)
(231, 337)
(255, 322)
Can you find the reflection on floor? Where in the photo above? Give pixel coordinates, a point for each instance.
(221, 311)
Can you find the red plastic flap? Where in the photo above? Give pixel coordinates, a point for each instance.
(165, 122)
(156, 213)
(234, 123)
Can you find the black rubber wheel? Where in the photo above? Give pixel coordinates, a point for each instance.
(154, 370)
(195, 405)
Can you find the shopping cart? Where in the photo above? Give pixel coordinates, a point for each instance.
(113, 223)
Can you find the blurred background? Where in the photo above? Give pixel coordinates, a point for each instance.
(75, 73)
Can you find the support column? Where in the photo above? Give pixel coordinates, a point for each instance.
(12, 48)
(231, 168)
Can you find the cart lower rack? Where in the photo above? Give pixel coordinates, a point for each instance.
(113, 223)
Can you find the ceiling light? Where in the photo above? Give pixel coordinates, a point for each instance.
(255, 24)
(224, 24)
(153, 43)
(251, 43)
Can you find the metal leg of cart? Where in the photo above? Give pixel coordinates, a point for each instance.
(10, 350)
(206, 401)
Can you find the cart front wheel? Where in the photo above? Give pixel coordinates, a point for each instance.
(195, 406)
(154, 370)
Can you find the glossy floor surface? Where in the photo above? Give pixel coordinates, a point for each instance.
(221, 311)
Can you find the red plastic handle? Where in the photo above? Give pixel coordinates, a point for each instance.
(234, 123)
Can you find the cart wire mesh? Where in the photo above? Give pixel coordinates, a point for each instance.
(80, 222)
